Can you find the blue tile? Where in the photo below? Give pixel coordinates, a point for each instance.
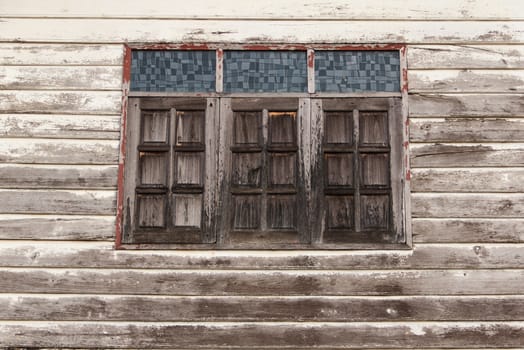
(265, 71)
(357, 71)
(173, 71)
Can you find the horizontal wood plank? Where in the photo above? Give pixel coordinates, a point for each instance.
(466, 155)
(53, 227)
(271, 9)
(454, 205)
(60, 78)
(49, 151)
(57, 202)
(60, 126)
(465, 56)
(261, 309)
(468, 180)
(58, 176)
(483, 81)
(466, 130)
(277, 283)
(61, 102)
(458, 105)
(468, 230)
(103, 255)
(266, 335)
(61, 54)
(253, 31)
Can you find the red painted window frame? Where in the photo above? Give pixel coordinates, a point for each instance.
(309, 48)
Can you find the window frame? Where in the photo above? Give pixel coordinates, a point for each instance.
(405, 174)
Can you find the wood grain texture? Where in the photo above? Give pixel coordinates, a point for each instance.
(228, 31)
(281, 283)
(466, 155)
(468, 230)
(55, 228)
(61, 54)
(466, 81)
(453, 205)
(61, 102)
(241, 335)
(458, 105)
(105, 127)
(60, 78)
(465, 56)
(102, 255)
(54, 151)
(466, 130)
(272, 9)
(468, 180)
(260, 309)
(58, 176)
(57, 202)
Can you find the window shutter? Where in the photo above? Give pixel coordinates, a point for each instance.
(262, 173)
(357, 163)
(174, 171)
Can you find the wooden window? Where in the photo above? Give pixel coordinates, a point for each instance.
(236, 172)
(170, 171)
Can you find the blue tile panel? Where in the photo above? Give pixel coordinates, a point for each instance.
(357, 71)
(175, 71)
(265, 71)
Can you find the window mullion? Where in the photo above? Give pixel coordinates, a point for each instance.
(265, 171)
(219, 70)
(171, 169)
(356, 169)
(311, 71)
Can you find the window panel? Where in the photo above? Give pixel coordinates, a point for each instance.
(357, 71)
(339, 212)
(374, 169)
(189, 168)
(374, 212)
(265, 71)
(188, 210)
(339, 169)
(190, 127)
(282, 128)
(247, 169)
(153, 168)
(155, 126)
(151, 211)
(248, 127)
(373, 128)
(177, 71)
(246, 212)
(339, 128)
(282, 169)
(281, 212)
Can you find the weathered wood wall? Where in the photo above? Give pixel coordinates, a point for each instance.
(63, 285)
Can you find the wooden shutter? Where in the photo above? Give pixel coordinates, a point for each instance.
(170, 170)
(262, 172)
(356, 159)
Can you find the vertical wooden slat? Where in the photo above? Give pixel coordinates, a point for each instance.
(356, 170)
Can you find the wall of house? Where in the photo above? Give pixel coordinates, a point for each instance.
(62, 283)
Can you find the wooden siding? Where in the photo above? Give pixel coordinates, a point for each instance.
(63, 285)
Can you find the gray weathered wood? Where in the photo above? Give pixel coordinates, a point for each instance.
(396, 335)
(49, 151)
(458, 205)
(465, 56)
(457, 105)
(423, 256)
(281, 283)
(51, 227)
(61, 54)
(61, 102)
(273, 9)
(234, 31)
(260, 309)
(467, 180)
(483, 81)
(466, 130)
(60, 78)
(58, 176)
(60, 126)
(468, 230)
(466, 155)
(57, 202)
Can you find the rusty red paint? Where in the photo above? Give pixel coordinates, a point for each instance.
(311, 59)
(126, 78)
(404, 80)
(408, 175)
(406, 144)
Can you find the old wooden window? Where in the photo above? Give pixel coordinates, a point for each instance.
(251, 168)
